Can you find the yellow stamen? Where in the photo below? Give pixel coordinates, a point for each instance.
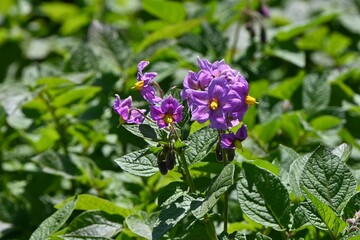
(168, 118)
(139, 85)
(214, 104)
(250, 100)
(238, 144)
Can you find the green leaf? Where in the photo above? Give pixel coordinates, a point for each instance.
(286, 88)
(169, 11)
(258, 201)
(327, 178)
(145, 131)
(296, 169)
(325, 122)
(352, 206)
(106, 43)
(169, 32)
(300, 219)
(225, 179)
(200, 144)
(316, 93)
(90, 202)
(171, 215)
(79, 95)
(290, 31)
(81, 59)
(266, 131)
(140, 163)
(95, 224)
(333, 222)
(296, 58)
(352, 236)
(59, 11)
(292, 127)
(312, 215)
(342, 151)
(139, 224)
(54, 222)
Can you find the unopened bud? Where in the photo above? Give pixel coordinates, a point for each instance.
(230, 154)
(170, 159)
(161, 162)
(264, 10)
(251, 30)
(218, 152)
(162, 167)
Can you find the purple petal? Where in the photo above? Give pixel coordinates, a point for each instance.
(177, 116)
(241, 133)
(227, 141)
(142, 65)
(148, 94)
(156, 113)
(200, 97)
(201, 114)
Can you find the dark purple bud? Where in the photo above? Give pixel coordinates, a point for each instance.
(170, 159)
(161, 162)
(264, 10)
(230, 154)
(162, 167)
(250, 28)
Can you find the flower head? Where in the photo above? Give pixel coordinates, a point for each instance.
(126, 112)
(231, 140)
(167, 113)
(144, 84)
(214, 104)
(217, 93)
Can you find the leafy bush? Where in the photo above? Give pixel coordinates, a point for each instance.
(62, 62)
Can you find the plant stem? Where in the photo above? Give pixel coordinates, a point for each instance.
(187, 172)
(210, 228)
(226, 196)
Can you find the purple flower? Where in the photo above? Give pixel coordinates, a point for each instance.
(143, 84)
(126, 112)
(214, 104)
(167, 113)
(231, 140)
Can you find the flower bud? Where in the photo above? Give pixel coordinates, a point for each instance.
(230, 154)
(264, 10)
(250, 29)
(162, 167)
(170, 159)
(161, 162)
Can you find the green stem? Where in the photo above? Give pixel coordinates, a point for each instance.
(210, 229)
(226, 196)
(187, 172)
(59, 127)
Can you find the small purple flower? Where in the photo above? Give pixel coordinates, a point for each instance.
(126, 112)
(214, 104)
(231, 140)
(167, 113)
(143, 84)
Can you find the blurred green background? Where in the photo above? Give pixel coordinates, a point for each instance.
(62, 62)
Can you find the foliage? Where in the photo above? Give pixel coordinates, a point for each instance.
(62, 62)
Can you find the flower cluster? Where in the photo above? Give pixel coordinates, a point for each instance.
(165, 111)
(216, 93)
(219, 94)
